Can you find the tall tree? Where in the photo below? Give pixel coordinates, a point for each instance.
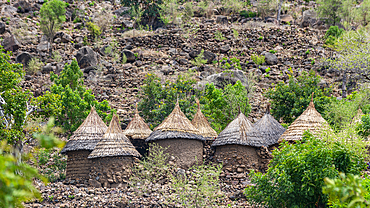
(330, 10)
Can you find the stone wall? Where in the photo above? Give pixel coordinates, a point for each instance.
(140, 145)
(238, 158)
(186, 151)
(110, 172)
(78, 166)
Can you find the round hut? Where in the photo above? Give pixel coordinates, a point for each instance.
(234, 149)
(310, 119)
(269, 130)
(112, 158)
(201, 123)
(80, 145)
(180, 137)
(137, 131)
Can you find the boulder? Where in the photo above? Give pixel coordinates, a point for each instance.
(43, 46)
(127, 24)
(285, 19)
(121, 11)
(23, 6)
(8, 11)
(11, 43)
(228, 77)
(270, 58)
(222, 20)
(129, 55)
(225, 48)
(65, 38)
(309, 17)
(24, 58)
(209, 56)
(86, 57)
(2, 27)
(47, 69)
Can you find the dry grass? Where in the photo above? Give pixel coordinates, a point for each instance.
(136, 33)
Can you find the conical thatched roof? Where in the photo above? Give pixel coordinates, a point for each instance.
(88, 133)
(137, 128)
(236, 133)
(175, 126)
(114, 143)
(309, 120)
(267, 129)
(201, 123)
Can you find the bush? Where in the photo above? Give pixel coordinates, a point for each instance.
(296, 173)
(34, 65)
(289, 100)
(332, 35)
(151, 8)
(247, 14)
(259, 60)
(199, 61)
(93, 29)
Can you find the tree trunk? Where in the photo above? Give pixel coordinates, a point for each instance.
(279, 11)
(344, 87)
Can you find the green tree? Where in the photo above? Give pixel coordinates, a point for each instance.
(289, 100)
(363, 13)
(296, 173)
(330, 9)
(13, 100)
(52, 15)
(150, 8)
(69, 100)
(222, 106)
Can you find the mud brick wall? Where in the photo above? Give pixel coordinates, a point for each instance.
(111, 172)
(187, 152)
(140, 145)
(78, 166)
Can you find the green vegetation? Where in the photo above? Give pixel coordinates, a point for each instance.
(52, 15)
(219, 36)
(34, 65)
(330, 9)
(247, 14)
(93, 29)
(332, 35)
(150, 8)
(289, 100)
(259, 60)
(69, 101)
(199, 61)
(295, 177)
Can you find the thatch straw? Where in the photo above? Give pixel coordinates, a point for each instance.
(236, 133)
(267, 129)
(114, 143)
(88, 133)
(309, 120)
(176, 125)
(137, 128)
(201, 123)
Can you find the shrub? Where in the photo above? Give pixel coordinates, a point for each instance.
(246, 14)
(199, 61)
(219, 36)
(296, 173)
(233, 6)
(332, 35)
(259, 60)
(150, 8)
(289, 100)
(34, 65)
(93, 29)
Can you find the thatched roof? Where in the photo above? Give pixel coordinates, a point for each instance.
(137, 128)
(236, 133)
(88, 133)
(267, 129)
(114, 143)
(309, 120)
(201, 123)
(175, 126)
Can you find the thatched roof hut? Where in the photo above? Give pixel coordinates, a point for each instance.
(180, 139)
(137, 128)
(201, 123)
(267, 129)
(114, 143)
(236, 133)
(175, 126)
(310, 119)
(87, 135)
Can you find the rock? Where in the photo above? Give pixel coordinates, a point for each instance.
(127, 24)
(121, 11)
(172, 51)
(23, 6)
(65, 38)
(198, 11)
(239, 170)
(270, 58)
(129, 55)
(309, 17)
(47, 68)
(105, 50)
(209, 56)
(286, 19)
(2, 27)
(86, 57)
(183, 62)
(225, 48)
(229, 77)
(89, 69)
(43, 46)
(24, 58)
(222, 20)
(10, 43)
(8, 11)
